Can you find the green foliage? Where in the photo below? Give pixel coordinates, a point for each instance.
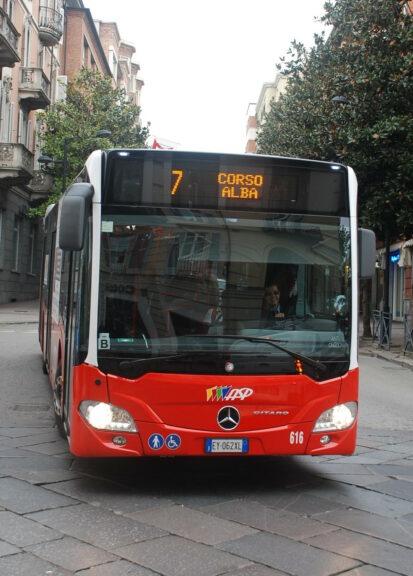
(368, 60)
(91, 104)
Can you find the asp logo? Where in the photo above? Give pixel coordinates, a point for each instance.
(226, 393)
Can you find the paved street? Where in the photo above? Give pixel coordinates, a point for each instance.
(61, 516)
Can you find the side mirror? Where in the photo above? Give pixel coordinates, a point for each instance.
(74, 211)
(367, 253)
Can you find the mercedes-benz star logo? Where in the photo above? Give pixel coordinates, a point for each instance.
(228, 418)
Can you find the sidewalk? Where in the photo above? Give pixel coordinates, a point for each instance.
(368, 347)
(19, 312)
(28, 313)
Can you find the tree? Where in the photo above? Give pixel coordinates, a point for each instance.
(91, 104)
(367, 60)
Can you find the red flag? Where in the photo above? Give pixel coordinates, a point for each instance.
(157, 145)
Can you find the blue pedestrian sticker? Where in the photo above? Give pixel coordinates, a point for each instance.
(173, 441)
(156, 441)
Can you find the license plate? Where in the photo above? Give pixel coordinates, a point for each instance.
(226, 445)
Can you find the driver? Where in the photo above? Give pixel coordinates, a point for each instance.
(271, 310)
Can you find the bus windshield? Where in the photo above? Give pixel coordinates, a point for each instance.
(171, 276)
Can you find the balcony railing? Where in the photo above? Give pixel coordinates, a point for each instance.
(8, 41)
(34, 88)
(50, 26)
(16, 165)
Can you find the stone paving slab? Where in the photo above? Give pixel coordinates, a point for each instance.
(33, 439)
(400, 488)
(367, 549)
(22, 532)
(371, 457)
(49, 448)
(402, 448)
(393, 470)
(40, 477)
(296, 500)
(71, 554)
(117, 568)
(26, 564)
(175, 556)
(109, 495)
(368, 570)
(360, 480)
(21, 431)
(266, 519)
(6, 548)
(22, 497)
(97, 526)
(363, 499)
(194, 525)
(255, 570)
(289, 556)
(398, 531)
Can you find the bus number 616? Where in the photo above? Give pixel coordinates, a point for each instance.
(296, 437)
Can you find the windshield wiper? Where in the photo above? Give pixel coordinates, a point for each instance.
(305, 359)
(168, 357)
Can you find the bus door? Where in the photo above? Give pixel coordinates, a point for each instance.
(49, 267)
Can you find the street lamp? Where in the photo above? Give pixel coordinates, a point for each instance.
(44, 159)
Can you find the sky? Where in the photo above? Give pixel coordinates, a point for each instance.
(203, 63)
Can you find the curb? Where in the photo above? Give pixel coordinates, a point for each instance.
(405, 362)
(13, 322)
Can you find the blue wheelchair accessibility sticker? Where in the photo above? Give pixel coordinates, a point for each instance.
(156, 441)
(173, 441)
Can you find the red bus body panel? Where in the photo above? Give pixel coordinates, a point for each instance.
(277, 417)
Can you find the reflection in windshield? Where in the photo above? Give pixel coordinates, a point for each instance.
(170, 275)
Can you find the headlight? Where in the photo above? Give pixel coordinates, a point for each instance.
(107, 416)
(339, 417)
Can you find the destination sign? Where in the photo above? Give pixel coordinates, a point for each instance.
(230, 185)
(204, 181)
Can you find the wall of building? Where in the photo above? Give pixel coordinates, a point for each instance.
(81, 44)
(20, 235)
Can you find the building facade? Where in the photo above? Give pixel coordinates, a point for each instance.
(270, 91)
(251, 146)
(30, 31)
(43, 43)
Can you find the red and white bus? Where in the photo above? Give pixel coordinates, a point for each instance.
(153, 326)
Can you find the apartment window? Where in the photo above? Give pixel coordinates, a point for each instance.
(85, 53)
(42, 58)
(32, 248)
(23, 135)
(10, 123)
(28, 135)
(113, 63)
(26, 46)
(9, 8)
(16, 243)
(1, 239)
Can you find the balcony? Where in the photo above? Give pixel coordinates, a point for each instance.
(8, 41)
(40, 186)
(50, 26)
(16, 165)
(34, 88)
